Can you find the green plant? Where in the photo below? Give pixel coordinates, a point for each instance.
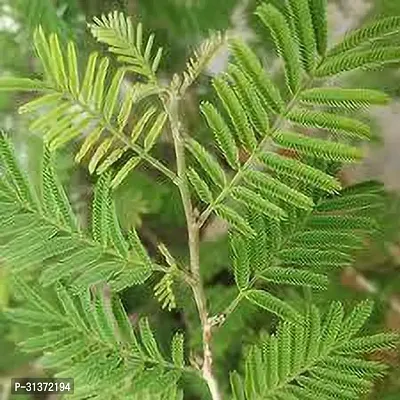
(291, 222)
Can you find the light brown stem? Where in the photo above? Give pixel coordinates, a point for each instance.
(171, 107)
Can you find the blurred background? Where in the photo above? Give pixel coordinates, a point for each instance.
(153, 206)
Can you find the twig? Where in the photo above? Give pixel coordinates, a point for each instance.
(171, 107)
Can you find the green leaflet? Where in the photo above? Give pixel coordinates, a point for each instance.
(93, 329)
(331, 389)
(95, 274)
(356, 319)
(110, 100)
(40, 238)
(88, 143)
(270, 351)
(58, 199)
(286, 47)
(318, 10)
(177, 350)
(301, 14)
(73, 73)
(253, 254)
(283, 348)
(115, 233)
(273, 304)
(207, 162)
(222, 134)
(292, 276)
(53, 247)
(298, 252)
(348, 381)
(271, 187)
(19, 180)
(201, 187)
(124, 324)
(155, 131)
(98, 89)
(333, 321)
(126, 108)
(298, 339)
(366, 34)
(356, 203)
(43, 52)
(57, 61)
(149, 341)
(236, 113)
(369, 344)
(71, 309)
(47, 340)
(301, 171)
(23, 84)
(15, 224)
(237, 386)
(103, 317)
(358, 367)
(33, 318)
(112, 158)
(318, 119)
(124, 171)
(20, 247)
(87, 83)
(164, 292)
(62, 357)
(249, 96)
(138, 128)
(139, 250)
(344, 222)
(357, 59)
(314, 257)
(366, 187)
(236, 221)
(254, 378)
(70, 133)
(132, 274)
(49, 197)
(319, 148)
(251, 66)
(346, 98)
(241, 261)
(75, 263)
(29, 294)
(257, 202)
(100, 207)
(34, 105)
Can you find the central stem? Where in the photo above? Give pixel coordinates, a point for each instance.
(194, 246)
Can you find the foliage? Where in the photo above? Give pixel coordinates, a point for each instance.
(273, 178)
(54, 240)
(318, 358)
(95, 329)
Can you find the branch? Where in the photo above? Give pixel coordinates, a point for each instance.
(171, 107)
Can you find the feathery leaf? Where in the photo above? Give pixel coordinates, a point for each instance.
(272, 304)
(346, 98)
(285, 45)
(367, 34)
